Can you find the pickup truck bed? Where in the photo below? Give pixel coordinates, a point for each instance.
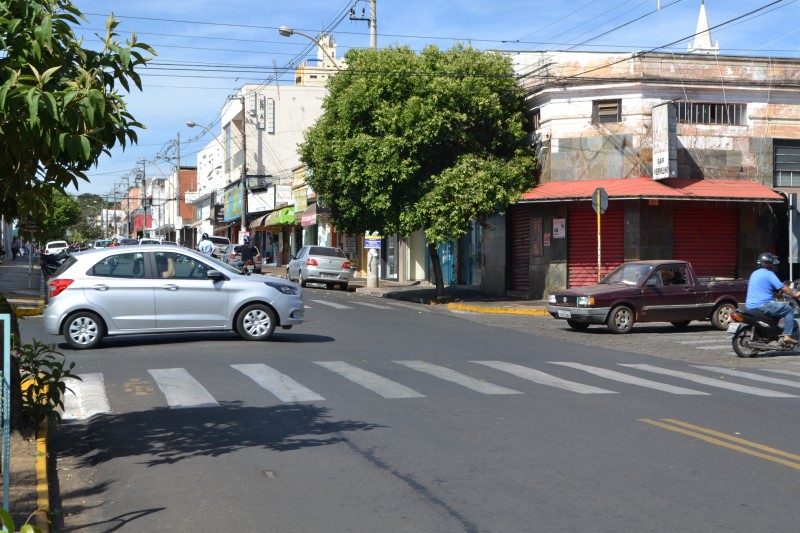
(649, 291)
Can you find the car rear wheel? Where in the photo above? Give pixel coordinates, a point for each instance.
(83, 330)
(621, 319)
(721, 316)
(256, 323)
(301, 279)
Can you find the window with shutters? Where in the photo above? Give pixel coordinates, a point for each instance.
(786, 163)
(606, 111)
(709, 113)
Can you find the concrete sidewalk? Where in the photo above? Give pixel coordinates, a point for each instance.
(22, 285)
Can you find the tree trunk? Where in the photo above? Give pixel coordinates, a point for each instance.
(437, 269)
(16, 391)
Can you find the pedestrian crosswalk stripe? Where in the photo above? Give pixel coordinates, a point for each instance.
(726, 346)
(282, 386)
(458, 378)
(85, 398)
(750, 375)
(712, 382)
(377, 384)
(786, 372)
(375, 306)
(542, 378)
(632, 380)
(332, 304)
(181, 389)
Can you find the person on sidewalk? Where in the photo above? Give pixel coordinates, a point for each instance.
(14, 249)
(761, 295)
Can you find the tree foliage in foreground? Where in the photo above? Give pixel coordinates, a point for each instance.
(60, 103)
(425, 141)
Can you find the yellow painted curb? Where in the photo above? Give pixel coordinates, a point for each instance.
(27, 311)
(496, 310)
(42, 515)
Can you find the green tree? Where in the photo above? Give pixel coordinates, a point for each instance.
(420, 141)
(89, 226)
(65, 213)
(60, 110)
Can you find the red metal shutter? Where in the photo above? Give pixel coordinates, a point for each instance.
(707, 237)
(582, 244)
(519, 220)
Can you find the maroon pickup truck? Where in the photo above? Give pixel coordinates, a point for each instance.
(649, 291)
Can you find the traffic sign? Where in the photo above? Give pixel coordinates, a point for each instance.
(599, 197)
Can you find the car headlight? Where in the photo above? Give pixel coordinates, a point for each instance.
(283, 287)
(585, 300)
(551, 299)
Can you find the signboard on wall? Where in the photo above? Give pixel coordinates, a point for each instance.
(665, 141)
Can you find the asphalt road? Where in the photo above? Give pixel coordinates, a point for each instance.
(385, 416)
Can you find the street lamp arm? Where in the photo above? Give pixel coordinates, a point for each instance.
(286, 31)
(192, 124)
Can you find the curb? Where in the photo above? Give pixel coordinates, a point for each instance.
(496, 310)
(42, 514)
(25, 310)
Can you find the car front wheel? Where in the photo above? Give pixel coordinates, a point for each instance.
(256, 323)
(83, 330)
(621, 319)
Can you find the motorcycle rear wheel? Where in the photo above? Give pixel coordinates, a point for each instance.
(741, 342)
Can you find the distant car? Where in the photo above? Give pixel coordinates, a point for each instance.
(156, 289)
(173, 243)
(220, 244)
(232, 257)
(127, 242)
(101, 243)
(55, 247)
(320, 264)
(149, 241)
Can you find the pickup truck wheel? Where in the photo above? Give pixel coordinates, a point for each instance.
(621, 319)
(579, 326)
(682, 324)
(721, 316)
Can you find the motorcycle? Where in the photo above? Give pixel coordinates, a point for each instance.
(754, 332)
(51, 263)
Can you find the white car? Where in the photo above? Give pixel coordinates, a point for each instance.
(147, 289)
(55, 247)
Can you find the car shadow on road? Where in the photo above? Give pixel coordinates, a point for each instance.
(205, 337)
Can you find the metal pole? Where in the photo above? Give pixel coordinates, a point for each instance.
(244, 165)
(373, 24)
(178, 193)
(6, 400)
(599, 253)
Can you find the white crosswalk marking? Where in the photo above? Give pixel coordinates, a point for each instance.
(633, 380)
(86, 398)
(377, 384)
(542, 378)
(712, 382)
(374, 306)
(458, 378)
(726, 346)
(700, 341)
(282, 386)
(786, 372)
(332, 304)
(750, 375)
(181, 389)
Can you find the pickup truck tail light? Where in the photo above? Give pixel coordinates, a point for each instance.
(585, 300)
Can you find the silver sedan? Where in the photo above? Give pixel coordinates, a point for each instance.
(163, 289)
(320, 264)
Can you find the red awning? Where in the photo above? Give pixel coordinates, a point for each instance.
(648, 188)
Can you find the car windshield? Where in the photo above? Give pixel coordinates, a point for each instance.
(628, 274)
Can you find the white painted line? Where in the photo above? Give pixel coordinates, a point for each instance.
(750, 375)
(181, 389)
(712, 382)
(282, 386)
(377, 384)
(632, 380)
(376, 306)
(542, 378)
(787, 372)
(458, 378)
(84, 399)
(332, 304)
(716, 347)
(699, 341)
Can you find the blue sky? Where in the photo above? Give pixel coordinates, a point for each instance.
(207, 49)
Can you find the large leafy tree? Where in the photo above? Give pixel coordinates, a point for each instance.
(60, 105)
(60, 110)
(426, 141)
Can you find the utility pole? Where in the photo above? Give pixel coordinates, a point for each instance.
(372, 22)
(244, 164)
(178, 193)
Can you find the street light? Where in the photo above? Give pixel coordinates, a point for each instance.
(286, 31)
(243, 178)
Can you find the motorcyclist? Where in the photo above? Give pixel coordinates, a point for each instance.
(248, 252)
(761, 295)
(206, 247)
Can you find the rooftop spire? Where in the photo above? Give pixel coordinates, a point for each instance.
(702, 37)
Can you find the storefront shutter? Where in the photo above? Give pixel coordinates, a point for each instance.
(519, 220)
(582, 244)
(708, 238)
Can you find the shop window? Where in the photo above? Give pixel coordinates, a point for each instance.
(786, 163)
(604, 111)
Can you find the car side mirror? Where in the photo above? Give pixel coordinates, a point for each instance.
(216, 275)
(652, 282)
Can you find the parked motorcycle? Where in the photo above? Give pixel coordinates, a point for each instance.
(51, 263)
(755, 332)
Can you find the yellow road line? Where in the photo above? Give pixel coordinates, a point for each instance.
(704, 435)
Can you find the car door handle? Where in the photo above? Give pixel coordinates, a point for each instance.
(100, 287)
(170, 287)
